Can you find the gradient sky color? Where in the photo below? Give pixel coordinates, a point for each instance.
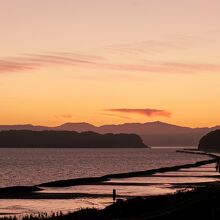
(110, 61)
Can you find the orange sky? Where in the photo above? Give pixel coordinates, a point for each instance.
(106, 62)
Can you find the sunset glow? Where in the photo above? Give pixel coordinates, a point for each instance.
(110, 61)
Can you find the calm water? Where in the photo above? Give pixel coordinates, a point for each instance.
(33, 166)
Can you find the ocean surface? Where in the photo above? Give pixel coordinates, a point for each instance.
(34, 166)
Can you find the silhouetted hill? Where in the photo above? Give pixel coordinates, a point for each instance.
(146, 128)
(153, 133)
(79, 127)
(156, 127)
(23, 127)
(210, 142)
(67, 139)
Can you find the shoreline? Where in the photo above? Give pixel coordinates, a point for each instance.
(92, 180)
(180, 205)
(24, 191)
(34, 192)
(16, 190)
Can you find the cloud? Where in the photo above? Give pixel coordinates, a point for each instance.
(114, 115)
(34, 61)
(164, 67)
(150, 46)
(66, 116)
(147, 112)
(29, 62)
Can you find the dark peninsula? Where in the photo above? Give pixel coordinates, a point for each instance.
(210, 142)
(67, 139)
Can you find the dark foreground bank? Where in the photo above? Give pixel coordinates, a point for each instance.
(201, 203)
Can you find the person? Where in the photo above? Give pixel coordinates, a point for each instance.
(114, 194)
(217, 167)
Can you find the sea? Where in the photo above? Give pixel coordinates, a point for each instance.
(26, 167)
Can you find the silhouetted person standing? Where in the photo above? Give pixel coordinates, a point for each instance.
(114, 194)
(217, 166)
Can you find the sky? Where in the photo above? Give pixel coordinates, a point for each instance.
(110, 62)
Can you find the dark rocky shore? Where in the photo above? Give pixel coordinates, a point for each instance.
(210, 142)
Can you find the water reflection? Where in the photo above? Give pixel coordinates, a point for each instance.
(100, 195)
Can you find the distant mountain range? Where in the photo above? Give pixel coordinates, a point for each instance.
(153, 133)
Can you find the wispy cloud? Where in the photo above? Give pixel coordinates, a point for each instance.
(147, 112)
(66, 116)
(164, 67)
(63, 116)
(34, 61)
(28, 62)
(116, 116)
(150, 46)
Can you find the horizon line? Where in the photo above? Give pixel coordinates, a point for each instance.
(83, 122)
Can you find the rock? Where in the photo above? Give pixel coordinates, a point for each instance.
(210, 142)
